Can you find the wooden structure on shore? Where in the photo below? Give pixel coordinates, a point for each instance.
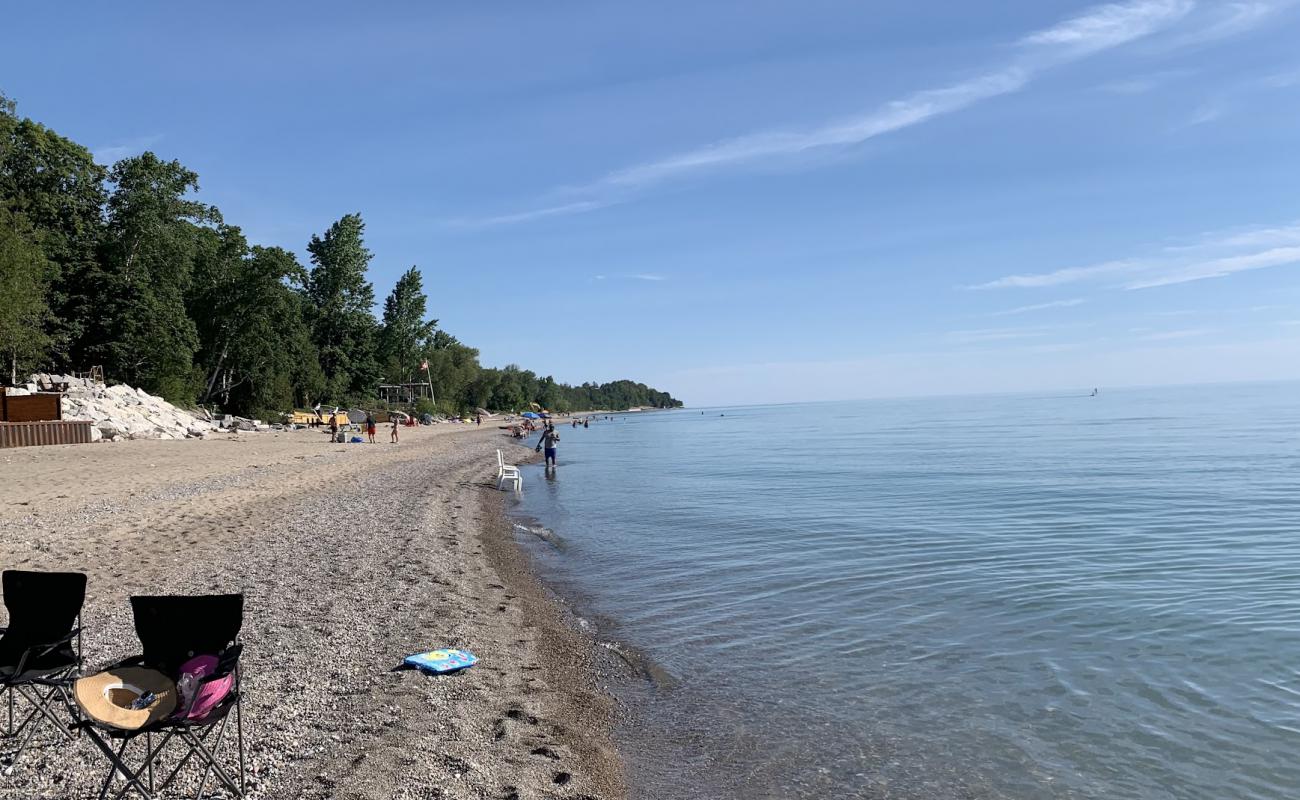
(405, 392)
(37, 419)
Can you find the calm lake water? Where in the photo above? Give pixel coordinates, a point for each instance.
(1020, 597)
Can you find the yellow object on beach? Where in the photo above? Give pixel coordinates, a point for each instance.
(308, 417)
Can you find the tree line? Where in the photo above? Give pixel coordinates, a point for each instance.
(124, 268)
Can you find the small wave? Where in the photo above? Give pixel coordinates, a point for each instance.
(642, 665)
(541, 532)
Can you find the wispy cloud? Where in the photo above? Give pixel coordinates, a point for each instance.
(1282, 80)
(640, 276)
(1111, 25)
(1207, 112)
(1077, 301)
(1217, 311)
(1220, 267)
(1061, 276)
(1223, 19)
(1142, 84)
(529, 216)
(111, 154)
(985, 335)
(1206, 257)
(1097, 29)
(1169, 336)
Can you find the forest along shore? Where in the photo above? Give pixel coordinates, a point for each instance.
(350, 557)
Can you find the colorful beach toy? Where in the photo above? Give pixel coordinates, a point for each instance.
(442, 661)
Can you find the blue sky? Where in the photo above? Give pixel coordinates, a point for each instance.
(748, 201)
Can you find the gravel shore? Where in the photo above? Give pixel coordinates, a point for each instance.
(350, 556)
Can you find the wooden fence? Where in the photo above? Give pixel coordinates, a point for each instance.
(27, 434)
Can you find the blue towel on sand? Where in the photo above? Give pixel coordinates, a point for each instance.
(442, 661)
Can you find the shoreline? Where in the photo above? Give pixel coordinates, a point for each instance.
(350, 556)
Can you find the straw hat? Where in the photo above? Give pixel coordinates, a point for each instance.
(107, 697)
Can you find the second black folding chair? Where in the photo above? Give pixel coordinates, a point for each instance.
(172, 631)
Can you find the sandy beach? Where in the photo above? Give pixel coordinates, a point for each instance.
(350, 557)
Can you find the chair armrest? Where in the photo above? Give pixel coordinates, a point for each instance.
(228, 661)
(67, 639)
(40, 649)
(129, 661)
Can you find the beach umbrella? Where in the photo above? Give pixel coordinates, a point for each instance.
(530, 415)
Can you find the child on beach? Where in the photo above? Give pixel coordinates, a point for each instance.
(548, 441)
(394, 420)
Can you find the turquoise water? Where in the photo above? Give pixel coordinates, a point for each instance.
(978, 597)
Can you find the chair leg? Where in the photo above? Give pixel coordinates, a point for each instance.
(132, 778)
(196, 742)
(42, 703)
(239, 735)
(23, 746)
(73, 709)
(151, 755)
(40, 713)
(208, 769)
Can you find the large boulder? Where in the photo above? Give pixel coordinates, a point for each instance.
(121, 412)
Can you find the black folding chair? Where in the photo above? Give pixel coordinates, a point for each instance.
(173, 630)
(40, 650)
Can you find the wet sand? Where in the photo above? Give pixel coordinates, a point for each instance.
(350, 556)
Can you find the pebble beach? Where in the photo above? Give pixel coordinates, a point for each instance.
(350, 557)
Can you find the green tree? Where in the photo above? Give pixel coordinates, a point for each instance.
(136, 321)
(57, 186)
(255, 353)
(343, 327)
(24, 276)
(405, 332)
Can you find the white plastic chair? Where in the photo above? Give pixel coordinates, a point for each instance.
(507, 473)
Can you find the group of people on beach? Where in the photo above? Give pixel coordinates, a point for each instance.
(372, 427)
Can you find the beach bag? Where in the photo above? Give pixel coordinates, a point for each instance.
(198, 699)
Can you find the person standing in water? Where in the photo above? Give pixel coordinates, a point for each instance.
(547, 442)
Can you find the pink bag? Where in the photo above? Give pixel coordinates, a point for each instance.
(198, 700)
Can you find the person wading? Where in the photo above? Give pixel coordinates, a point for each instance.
(547, 443)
